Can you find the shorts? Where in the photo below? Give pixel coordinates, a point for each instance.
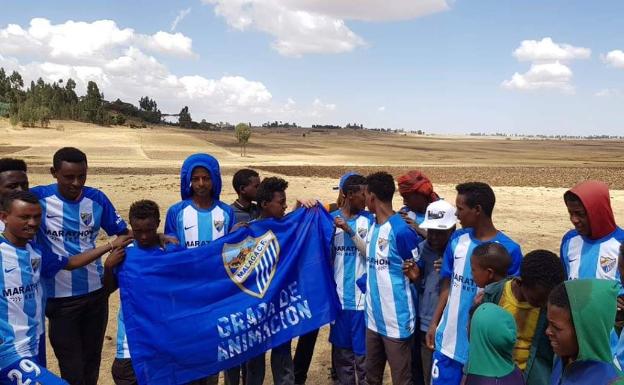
(27, 370)
(445, 370)
(349, 331)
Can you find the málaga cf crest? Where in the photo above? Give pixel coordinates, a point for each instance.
(251, 263)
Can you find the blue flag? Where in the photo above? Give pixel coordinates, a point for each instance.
(193, 313)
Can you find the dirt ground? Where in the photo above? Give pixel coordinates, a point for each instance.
(529, 176)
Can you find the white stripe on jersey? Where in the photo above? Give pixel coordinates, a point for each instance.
(611, 251)
(94, 281)
(218, 215)
(191, 227)
(449, 336)
(574, 256)
(54, 220)
(384, 283)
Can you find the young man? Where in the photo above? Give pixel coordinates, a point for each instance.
(77, 306)
(580, 319)
(417, 192)
(13, 177)
(440, 221)
(144, 219)
(390, 308)
(347, 333)
(475, 205)
(526, 297)
(22, 265)
(271, 197)
(200, 217)
(245, 183)
(590, 250)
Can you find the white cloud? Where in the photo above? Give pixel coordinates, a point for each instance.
(316, 26)
(550, 67)
(547, 75)
(614, 58)
(181, 15)
(546, 50)
(608, 92)
(115, 59)
(320, 109)
(381, 109)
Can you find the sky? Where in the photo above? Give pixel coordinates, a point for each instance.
(442, 66)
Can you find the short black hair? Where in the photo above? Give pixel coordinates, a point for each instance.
(24, 196)
(68, 154)
(144, 209)
(541, 268)
(353, 184)
(382, 185)
(242, 178)
(569, 196)
(478, 193)
(268, 187)
(493, 255)
(559, 297)
(11, 164)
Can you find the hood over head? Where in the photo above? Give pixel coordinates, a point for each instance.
(210, 163)
(595, 197)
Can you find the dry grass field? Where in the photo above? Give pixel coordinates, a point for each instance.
(529, 176)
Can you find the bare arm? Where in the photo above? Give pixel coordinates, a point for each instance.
(113, 260)
(89, 256)
(439, 310)
(359, 242)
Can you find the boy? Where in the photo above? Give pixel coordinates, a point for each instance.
(77, 306)
(13, 177)
(475, 205)
(525, 297)
(348, 332)
(489, 264)
(200, 217)
(144, 219)
(271, 197)
(417, 192)
(390, 312)
(590, 250)
(22, 265)
(245, 183)
(439, 223)
(580, 319)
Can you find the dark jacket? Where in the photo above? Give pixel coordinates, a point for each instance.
(541, 356)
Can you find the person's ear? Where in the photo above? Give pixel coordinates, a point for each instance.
(53, 172)
(478, 209)
(3, 216)
(491, 274)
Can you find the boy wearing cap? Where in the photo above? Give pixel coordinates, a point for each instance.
(440, 223)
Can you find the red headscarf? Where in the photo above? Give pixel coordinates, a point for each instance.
(416, 181)
(595, 197)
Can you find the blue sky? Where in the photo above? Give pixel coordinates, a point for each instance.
(436, 65)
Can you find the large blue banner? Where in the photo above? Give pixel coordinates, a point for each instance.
(193, 313)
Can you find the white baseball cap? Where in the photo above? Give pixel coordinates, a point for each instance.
(440, 215)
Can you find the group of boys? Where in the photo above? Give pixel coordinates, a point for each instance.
(438, 305)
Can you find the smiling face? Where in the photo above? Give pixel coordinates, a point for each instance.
(22, 220)
(70, 178)
(561, 333)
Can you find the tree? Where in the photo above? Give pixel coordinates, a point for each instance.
(184, 118)
(242, 133)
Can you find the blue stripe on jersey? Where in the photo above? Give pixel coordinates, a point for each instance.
(372, 286)
(204, 226)
(7, 351)
(404, 314)
(122, 341)
(71, 220)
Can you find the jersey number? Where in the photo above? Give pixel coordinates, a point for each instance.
(26, 366)
(435, 371)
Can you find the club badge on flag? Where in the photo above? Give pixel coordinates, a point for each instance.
(251, 263)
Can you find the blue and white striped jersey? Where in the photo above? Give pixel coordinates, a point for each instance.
(71, 227)
(22, 300)
(586, 258)
(349, 264)
(452, 333)
(196, 227)
(122, 340)
(390, 309)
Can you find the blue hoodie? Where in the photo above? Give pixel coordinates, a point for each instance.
(192, 225)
